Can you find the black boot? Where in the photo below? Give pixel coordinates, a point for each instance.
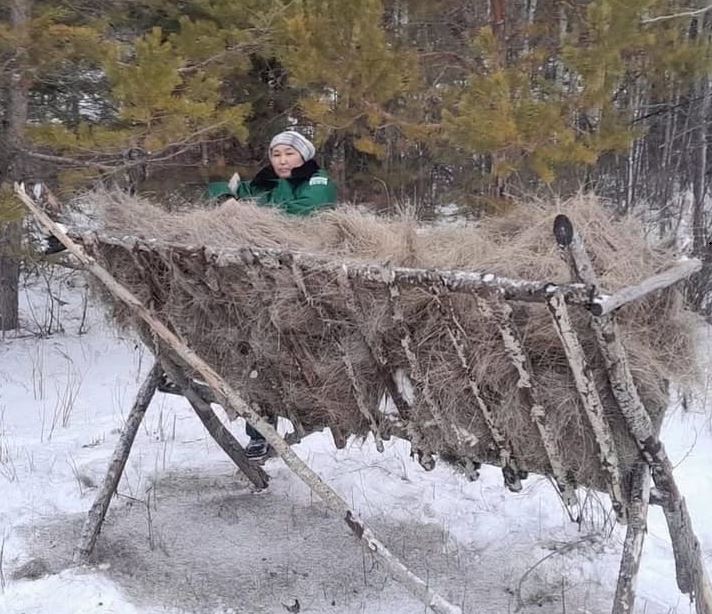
(52, 245)
(257, 449)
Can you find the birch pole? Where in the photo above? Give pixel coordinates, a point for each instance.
(231, 398)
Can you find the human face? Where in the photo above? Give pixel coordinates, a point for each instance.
(283, 159)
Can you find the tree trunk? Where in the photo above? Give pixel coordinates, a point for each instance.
(9, 274)
(10, 166)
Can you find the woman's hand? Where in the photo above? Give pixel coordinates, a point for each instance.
(234, 182)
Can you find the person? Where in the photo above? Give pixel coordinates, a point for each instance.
(292, 182)
(295, 184)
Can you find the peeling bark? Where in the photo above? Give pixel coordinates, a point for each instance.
(499, 311)
(624, 600)
(690, 569)
(469, 282)
(591, 402)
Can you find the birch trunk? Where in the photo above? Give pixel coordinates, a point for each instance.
(501, 313)
(586, 387)
(468, 282)
(624, 600)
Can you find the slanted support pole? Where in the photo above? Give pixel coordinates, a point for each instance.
(97, 513)
(590, 400)
(511, 472)
(232, 400)
(690, 569)
(222, 436)
(500, 312)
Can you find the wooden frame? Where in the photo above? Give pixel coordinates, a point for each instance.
(493, 293)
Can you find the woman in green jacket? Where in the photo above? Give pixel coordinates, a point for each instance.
(293, 182)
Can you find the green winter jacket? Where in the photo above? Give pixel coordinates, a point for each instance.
(308, 189)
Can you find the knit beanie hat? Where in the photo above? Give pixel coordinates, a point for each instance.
(299, 142)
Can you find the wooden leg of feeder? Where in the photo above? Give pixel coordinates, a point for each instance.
(95, 518)
(222, 436)
(635, 537)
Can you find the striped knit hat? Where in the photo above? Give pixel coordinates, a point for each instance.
(299, 142)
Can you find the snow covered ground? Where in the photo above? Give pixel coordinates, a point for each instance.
(186, 534)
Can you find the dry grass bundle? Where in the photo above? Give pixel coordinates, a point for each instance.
(298, 343)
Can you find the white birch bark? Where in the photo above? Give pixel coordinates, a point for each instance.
(501, 313)
(591, 402)
(624, 600)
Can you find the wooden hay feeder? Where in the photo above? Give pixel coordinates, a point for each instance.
(355, 334)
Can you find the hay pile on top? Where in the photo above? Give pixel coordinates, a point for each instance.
(306, 348)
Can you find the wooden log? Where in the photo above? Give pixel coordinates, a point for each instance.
(605, 304)
(401, 425)
(231, 398)
(691, 574)
(590, 400)
(97, 513)
(453, 280)
(500, 312)
(624, 600)
(222, 436)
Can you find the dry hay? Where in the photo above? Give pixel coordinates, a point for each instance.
(286, 352)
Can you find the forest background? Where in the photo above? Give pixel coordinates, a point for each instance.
(415, 102)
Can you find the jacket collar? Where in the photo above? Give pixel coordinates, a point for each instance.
(267, 178)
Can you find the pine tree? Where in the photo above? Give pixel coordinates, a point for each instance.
(353, 80)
